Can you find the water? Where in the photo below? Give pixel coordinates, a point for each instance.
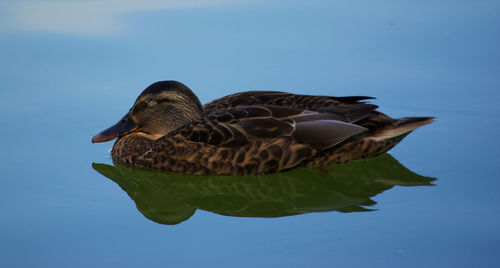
(66, 75)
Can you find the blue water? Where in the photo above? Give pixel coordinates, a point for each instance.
(67, 72)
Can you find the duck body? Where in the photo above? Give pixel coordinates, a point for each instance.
(253, 132)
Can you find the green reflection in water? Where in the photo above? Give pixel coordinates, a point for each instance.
(169, 198)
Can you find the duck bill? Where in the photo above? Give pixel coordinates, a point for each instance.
(123, 127)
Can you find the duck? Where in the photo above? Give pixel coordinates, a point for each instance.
(251, 132)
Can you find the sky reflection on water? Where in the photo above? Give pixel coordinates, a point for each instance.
(60, 87)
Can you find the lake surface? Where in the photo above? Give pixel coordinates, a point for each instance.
(71, 69)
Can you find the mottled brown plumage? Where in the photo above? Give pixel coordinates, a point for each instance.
(254, 132)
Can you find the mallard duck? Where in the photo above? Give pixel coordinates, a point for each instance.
(253, 132)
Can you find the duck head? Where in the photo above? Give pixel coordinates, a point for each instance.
(160, 109)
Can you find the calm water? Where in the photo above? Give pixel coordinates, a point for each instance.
(71, 69)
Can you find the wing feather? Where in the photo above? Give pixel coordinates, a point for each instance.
(321, 128)
(324, 134)
(281, 99)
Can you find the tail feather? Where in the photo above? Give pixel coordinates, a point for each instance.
(414, 122)
(403, 126)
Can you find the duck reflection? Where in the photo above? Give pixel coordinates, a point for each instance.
(168, 198)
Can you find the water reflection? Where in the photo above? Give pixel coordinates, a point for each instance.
(173, 198)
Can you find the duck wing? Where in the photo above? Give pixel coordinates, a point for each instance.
(280, 99)
(241, 125)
